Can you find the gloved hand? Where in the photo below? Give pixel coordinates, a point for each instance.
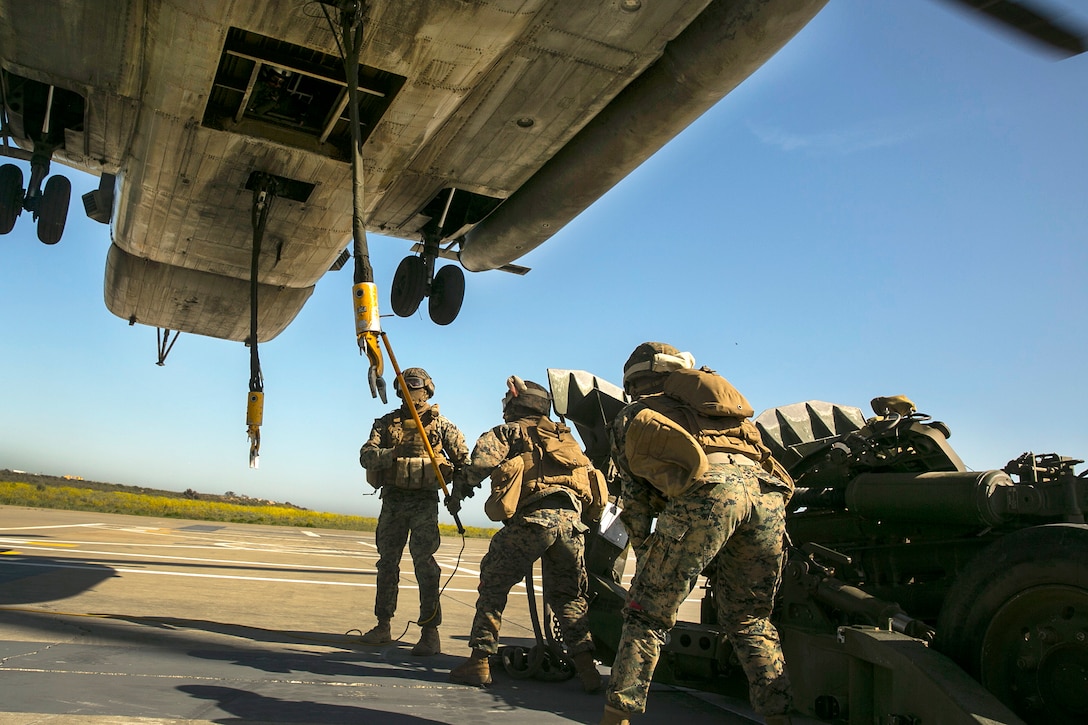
(377, 458)
(453, 503)
(460, 488)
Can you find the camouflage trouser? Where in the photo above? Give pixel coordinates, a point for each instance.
(404, 512)
(555, 536)
(733, 530)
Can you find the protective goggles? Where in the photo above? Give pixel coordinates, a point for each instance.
(415, 383)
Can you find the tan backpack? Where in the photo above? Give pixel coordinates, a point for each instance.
(700, 412)
(708, 393)
(555, 461)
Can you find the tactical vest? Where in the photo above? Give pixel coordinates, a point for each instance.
(715, 413)
(698, 420)
(412, 468)
(554, 462)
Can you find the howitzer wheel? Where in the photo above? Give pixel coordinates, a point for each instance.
(1017, 619)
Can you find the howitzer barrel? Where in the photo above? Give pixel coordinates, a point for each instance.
(951, 497)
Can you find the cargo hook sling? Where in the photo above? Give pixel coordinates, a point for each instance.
(264, 192)
(545, 660)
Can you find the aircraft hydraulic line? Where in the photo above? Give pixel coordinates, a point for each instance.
(364, 291)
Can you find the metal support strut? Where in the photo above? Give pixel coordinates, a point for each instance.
(164, 342)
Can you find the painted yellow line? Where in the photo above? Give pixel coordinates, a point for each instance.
(53, 544)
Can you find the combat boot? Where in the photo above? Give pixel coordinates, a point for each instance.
(587, 671)
(612, 716)
(380, 634)
(429, 643)
(473, 671)
(778, 719)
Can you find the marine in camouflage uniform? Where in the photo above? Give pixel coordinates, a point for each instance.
(548, 528)
(729, 526)
(409, 506)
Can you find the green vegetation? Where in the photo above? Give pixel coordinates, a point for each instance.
(177, 506)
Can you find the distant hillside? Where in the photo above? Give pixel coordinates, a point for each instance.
(19, 488)
(75, 481)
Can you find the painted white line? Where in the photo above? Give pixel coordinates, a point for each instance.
(230, 546)
(310, 533)
(215, 562)
(57, 526)
(276, 580)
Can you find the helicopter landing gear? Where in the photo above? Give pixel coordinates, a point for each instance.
(52, 209)
(11, 196)
(49, 207)
(447, 294)
(409, 285)
(415, 279)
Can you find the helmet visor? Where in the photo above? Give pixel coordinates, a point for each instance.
(414, 382)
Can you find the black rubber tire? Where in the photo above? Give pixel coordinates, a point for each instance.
(1017, 620)
(447, 294)
(53, 212)
(409, 285)
(11, 196)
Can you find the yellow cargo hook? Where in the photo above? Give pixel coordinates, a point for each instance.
(367, 329)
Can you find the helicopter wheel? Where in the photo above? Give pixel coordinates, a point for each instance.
(53, 212)
(1017, 620)
(409, 284)
(11, 196)
(447, 294)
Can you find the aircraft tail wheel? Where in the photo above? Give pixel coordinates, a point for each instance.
(409, 284)
(447, 294)
(11, 196)
(1017, 620)
(53, 211)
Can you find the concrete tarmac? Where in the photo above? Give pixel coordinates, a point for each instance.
(124, 619)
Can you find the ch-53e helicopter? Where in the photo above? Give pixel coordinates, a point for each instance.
(244, 147)
(915, 590)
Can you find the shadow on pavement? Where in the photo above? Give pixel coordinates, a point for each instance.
(249, 707)
(30, 579)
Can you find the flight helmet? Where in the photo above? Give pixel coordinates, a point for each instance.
(415, 379)
(650, 363)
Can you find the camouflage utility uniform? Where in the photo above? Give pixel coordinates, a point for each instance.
(730, 526)
(406, 510)
(549, 529)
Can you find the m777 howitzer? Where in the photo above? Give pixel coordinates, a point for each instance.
(915, 590)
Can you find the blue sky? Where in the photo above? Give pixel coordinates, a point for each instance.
(894, 204)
